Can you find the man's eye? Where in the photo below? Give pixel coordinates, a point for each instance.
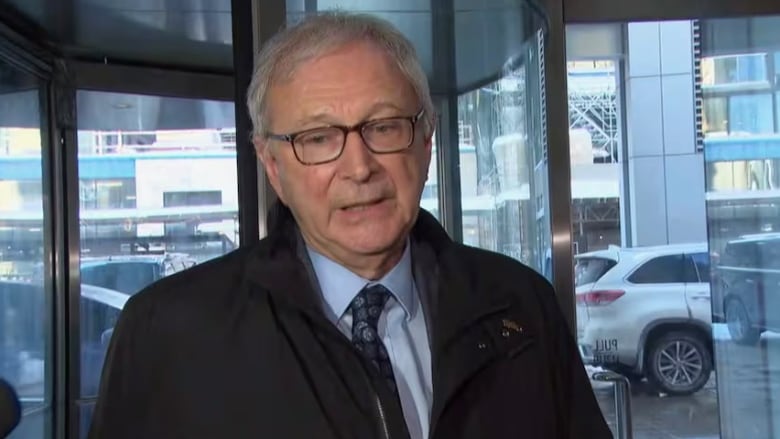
(318, 138)
(386, 127)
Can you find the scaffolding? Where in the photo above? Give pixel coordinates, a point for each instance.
(593, 106)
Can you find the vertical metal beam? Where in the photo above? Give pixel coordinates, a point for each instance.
(51, 253)
(243, 62)
(626, 220)
(268, 17)
(446, 101)
(558, 161)
(65, 181)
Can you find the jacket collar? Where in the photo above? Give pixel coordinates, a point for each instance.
(451, 295)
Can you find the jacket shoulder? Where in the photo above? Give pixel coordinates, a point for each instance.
(501, 269)
(206, 281)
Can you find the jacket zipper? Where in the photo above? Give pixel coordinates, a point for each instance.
(379, 407)
(381, 411)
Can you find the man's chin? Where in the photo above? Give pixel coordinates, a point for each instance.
(371, 241)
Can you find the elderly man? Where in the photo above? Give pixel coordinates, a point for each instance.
(357, 317)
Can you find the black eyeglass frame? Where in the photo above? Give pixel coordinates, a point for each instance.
(290, 138)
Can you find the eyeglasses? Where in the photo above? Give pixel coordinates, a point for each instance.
(322, 145)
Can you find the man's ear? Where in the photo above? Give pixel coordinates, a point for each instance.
(265, 154)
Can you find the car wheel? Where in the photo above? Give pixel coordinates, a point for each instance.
(679, 363)
(741, 329)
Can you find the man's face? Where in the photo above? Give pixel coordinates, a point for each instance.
(362, 203)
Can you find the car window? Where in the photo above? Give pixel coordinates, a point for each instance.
(102, 275)
(770, 255)
(660, 270)
(132, 277)
(590, 269)
(702, 265)
(741, 254)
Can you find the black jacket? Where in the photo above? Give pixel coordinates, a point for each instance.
(240, 348)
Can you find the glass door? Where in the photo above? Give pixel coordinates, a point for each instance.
(158, 194)
(26, 296)
(675, 155)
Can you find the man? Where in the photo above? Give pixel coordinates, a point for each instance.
(357, 317)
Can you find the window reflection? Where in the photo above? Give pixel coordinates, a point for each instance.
(25, 304)
(157, 194)
(503, 193)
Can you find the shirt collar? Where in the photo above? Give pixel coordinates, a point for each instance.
(339, 285)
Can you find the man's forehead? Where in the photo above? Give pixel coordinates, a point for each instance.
(313, 94)
(330, 113)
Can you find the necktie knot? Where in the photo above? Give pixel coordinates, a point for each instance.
(368, 304)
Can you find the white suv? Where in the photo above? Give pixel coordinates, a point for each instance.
(645, 313)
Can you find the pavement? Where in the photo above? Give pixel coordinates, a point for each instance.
(740, 401)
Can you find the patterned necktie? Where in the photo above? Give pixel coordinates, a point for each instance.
(366, 308)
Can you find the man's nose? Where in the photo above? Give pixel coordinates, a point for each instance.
(357, 161)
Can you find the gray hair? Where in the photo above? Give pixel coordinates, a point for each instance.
(317, 35)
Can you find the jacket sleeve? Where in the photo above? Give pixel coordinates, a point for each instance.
(124, 385)
(576, 401)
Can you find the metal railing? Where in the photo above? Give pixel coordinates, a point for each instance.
(622, 387)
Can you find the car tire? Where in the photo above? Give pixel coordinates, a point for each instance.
(741, 329)
(678, 363)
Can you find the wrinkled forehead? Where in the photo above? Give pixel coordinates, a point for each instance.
(309, 53)
(298, 72)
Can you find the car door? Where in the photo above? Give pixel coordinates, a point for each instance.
(697, 286)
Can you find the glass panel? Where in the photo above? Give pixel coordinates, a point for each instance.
(640, 222)
(502, 177)
(157, 193)
(25, 299)
(734, 69)
(715, 116)
(595, 151)
(743, 215)
(750, 114)
(693, 288)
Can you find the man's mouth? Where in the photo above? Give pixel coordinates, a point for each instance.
(357, 207)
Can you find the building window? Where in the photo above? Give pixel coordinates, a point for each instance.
(192, 198)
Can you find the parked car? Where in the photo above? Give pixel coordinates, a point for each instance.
(747, 294)
(23, 339)
(129, 274)
(645, 313)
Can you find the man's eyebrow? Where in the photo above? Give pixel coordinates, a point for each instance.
(323, 116)
(327, 118)
(382, 105)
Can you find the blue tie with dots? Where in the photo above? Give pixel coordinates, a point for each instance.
(366, 308)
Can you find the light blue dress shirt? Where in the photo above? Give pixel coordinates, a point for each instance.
(401, 326)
